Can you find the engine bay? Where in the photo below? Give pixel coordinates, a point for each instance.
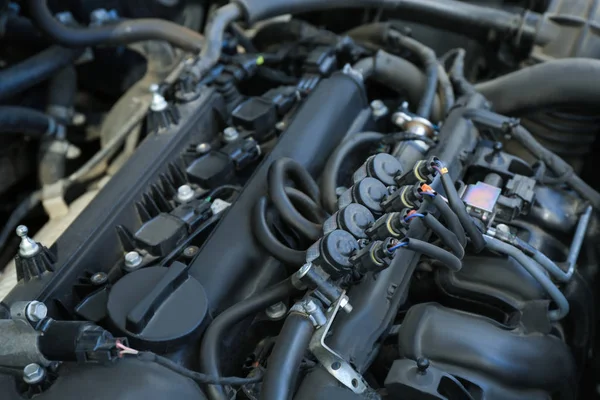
(277, 199)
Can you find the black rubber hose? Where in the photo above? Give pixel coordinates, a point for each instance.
(329, 179)
(269, 241)
(61, 94)
(448, 259)
(430, 64)
(457, 205)
(457, 74)
(279, 173)
(550, 84)
(196, 376)
(214, 33)
(399, 75)
(284, 363)
(446, 236)
(456, 16)
(36, 69)
(307, 206)
(211, 342)
(450, 217)
(15, 28)
(27, 121)
(124, 32)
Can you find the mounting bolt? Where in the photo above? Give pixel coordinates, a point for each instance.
(203, 148)
(28, 246)
(276, 311)
(33, 374)
(345, 304)
(36, 311)
(230, 134)
(133, 259)
(190, 251)
(185, 193)
(379, 108)
(99, 278)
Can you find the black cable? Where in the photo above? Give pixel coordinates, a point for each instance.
(123, 32)
(196, 376)
(21, 76)
(329, 179)
(465, 219)
(429, 60)
(448, 259)
(211, 342)
(27, 121)
(291, 257)
(217, 192)
(450, 217)
(284, 363)
(446, 236)
(280, 171)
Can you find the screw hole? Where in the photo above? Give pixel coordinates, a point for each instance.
(336, 365)
(18, 314)
(355, 383)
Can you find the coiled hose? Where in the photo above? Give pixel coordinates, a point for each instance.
(300, 210)
(124, 32)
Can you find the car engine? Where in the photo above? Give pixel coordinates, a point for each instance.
(277, 199)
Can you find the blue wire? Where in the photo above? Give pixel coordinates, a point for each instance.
(428, 194)
(397, 246)
(411, 216)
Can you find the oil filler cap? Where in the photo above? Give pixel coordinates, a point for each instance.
(158, 308)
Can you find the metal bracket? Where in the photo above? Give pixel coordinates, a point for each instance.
(332, 361)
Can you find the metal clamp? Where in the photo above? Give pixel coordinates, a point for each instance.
(332, 361)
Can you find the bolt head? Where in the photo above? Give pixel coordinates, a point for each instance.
(276, 311)
(190, 251)
(203, 148)
(36, 311)
(33, 373)
(422, 364)
(185, 193)
(99, 278)
(230, 134)
(133, 259)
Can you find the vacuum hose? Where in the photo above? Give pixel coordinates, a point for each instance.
(28, 73)
(211, 342)
(124, 32)
(287, 355)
